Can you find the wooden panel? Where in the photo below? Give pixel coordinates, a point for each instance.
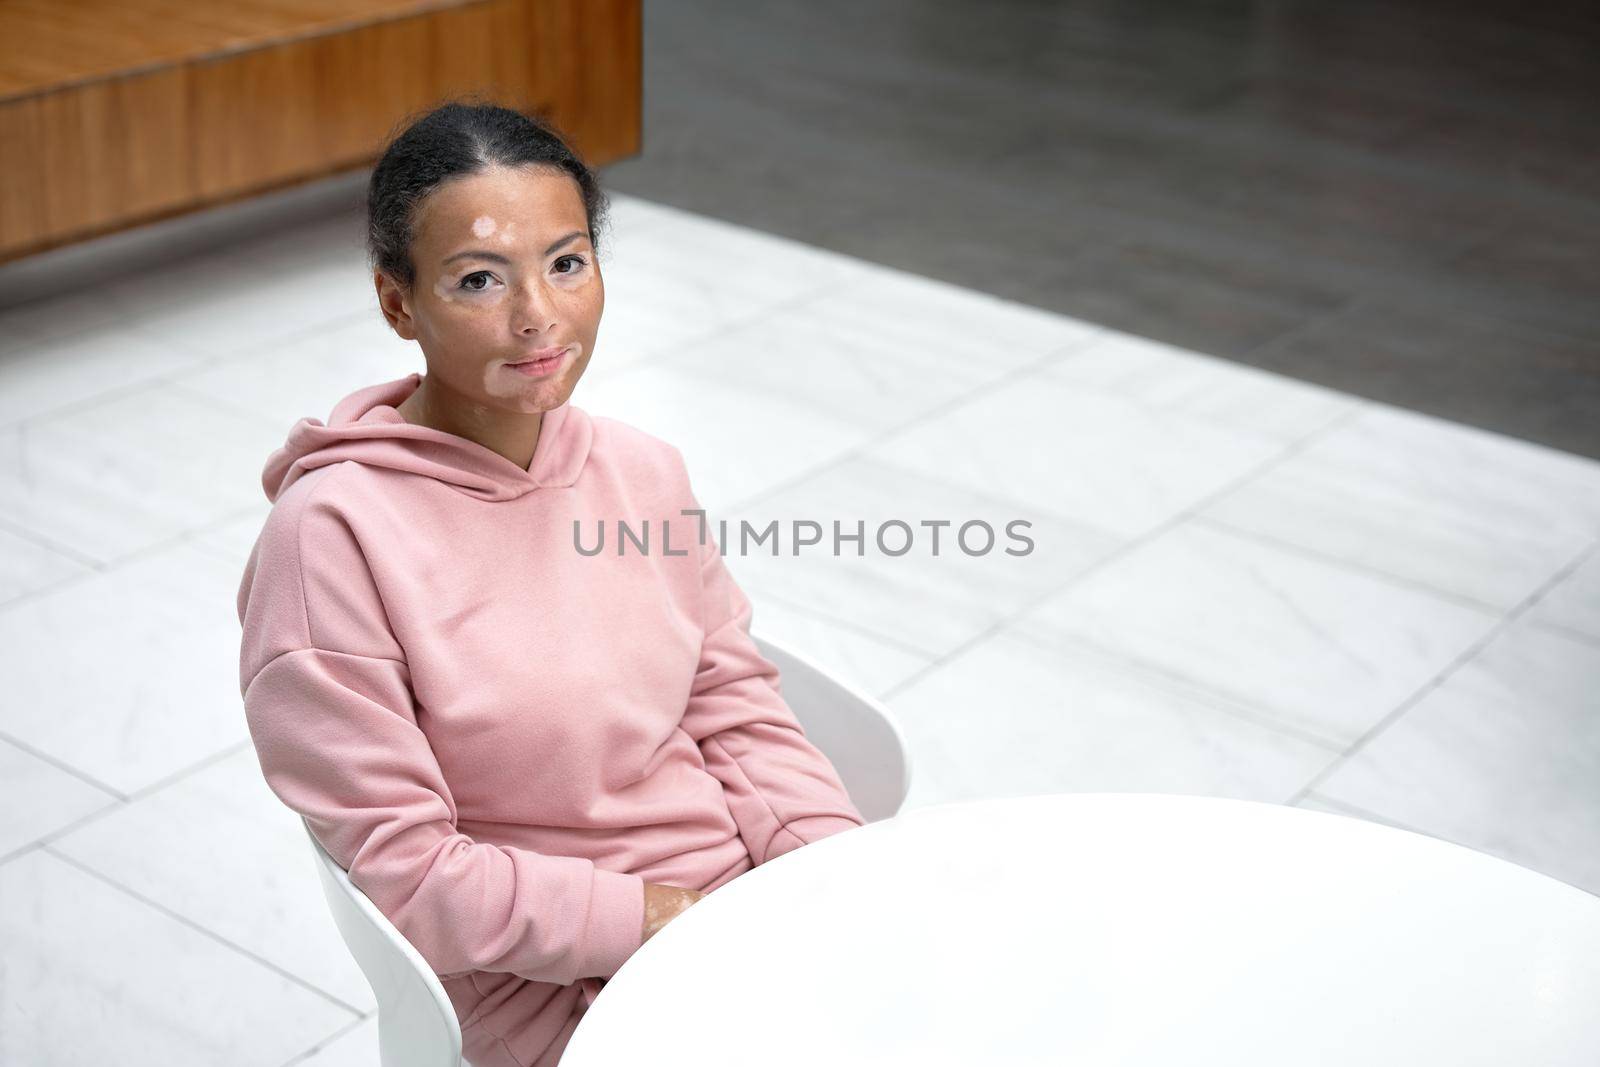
(49, 45)
(92, 158)
(102, 155)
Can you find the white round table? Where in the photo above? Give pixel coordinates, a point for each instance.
(1129, 929)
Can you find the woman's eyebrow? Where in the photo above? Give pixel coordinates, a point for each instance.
(495, 257)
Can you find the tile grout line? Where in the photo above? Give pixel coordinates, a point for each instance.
(1155, 676)
(106, 566)
(1035, 366)
(202, 362)
(1362, 813)
(122, 800)
(1355, 811)
(1465, 657)
(195, 926)
(1563, 630)
(184, 389)
(28, 533)
(1128, 547)
(61, 765)
(302, 1057)
(1058, 374)
(847, 624)
(30, 422)
(667, 354)
(1399, 581)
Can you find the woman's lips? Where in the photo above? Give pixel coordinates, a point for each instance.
(539, 368)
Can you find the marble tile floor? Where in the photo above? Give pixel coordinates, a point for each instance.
(1237, 584)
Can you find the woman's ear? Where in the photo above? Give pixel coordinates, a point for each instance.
(393, 301)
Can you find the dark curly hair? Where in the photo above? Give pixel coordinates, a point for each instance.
(457, 138)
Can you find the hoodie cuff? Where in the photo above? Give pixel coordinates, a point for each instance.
(616, 923)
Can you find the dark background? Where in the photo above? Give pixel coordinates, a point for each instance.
(1397, 200)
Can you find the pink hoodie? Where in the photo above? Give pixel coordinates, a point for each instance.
(502, 739)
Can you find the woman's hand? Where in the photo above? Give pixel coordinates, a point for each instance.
(663, 903)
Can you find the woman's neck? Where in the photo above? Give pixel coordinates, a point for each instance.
(514, 436)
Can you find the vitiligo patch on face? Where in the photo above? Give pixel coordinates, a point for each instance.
(529, 395)
(483, 226)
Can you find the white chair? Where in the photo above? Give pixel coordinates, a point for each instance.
(417, 1024)
(858, 735)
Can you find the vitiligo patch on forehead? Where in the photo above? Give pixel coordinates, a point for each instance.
(483, 226)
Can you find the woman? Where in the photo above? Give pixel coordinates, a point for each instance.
(530, 757)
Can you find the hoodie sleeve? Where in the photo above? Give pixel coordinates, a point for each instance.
(331, 712)
(782, 791)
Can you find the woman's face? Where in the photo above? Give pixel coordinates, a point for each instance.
(504, 268)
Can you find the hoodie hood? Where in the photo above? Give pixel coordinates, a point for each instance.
(366, 427)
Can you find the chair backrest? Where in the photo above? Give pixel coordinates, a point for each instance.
(858, 734)
(417, 1024)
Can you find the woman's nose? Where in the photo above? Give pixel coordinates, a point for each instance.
(535, 309)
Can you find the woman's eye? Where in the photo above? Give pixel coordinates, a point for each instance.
(579, 260)
(475, 288)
